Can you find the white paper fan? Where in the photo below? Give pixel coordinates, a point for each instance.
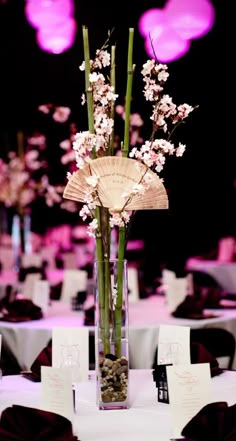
(117, 178)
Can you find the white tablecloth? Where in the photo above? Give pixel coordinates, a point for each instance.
(223, 272)
(146, 419)
(27, 339)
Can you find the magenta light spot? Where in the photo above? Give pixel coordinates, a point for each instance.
(174, 26)
(168, 46)
(59, 39)
(153, 18)
(48, 12)
(190, 18)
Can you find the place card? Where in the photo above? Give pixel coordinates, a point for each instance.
(57, 391)
(189, 388)
(29, 283)
(133, 284)
(73, 281)
(41, 294)
(33, 259)
(176, 289)
(70, 349)
(174, 345)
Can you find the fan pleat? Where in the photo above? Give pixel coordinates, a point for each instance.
(117, 178)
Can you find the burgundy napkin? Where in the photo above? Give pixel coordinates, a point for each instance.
(191, 308)
(89, 316)
(214, 422)
(23, 272)
(21, 310)
(19, 423)
(199, 354)
(43, 359)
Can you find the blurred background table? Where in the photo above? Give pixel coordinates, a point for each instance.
(26, 339)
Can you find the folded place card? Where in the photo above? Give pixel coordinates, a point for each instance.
(41, 294)
(29, 283)
(33, 259)
(70, 349)
(133, 284)
(189, 388)
(174, 345)
(57, 391)
(73, 282)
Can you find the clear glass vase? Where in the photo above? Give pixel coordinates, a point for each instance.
(111, 334)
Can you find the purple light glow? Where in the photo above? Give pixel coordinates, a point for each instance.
(48, 12)
(58, 39)
(170, 29)
(152, 19)
(169, 46)
(190, 18)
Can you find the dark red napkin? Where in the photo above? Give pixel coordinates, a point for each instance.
(21, 310)
(199, 354)
(214, 422)
(19, 423)
(191, 308)
(89, 316)
(43, 359)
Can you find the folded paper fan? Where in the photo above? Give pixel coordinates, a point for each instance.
(118, 186)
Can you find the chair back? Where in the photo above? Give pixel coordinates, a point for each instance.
(218, 341)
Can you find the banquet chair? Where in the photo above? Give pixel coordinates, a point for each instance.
(218, 341)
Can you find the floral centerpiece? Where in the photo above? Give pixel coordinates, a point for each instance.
(112, 184)
(23, 178)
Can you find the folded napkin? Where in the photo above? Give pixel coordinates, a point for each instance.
(19, 423)
(191, 308)
(21, 310)
(214, 422)
(55, 291)
(89, 316)
(43, 359)
(23, 272)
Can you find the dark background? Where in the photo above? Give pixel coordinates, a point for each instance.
(200, 185)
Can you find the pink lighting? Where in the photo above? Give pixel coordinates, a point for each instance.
(151, 19)
(173, 27)
(168, 46)
(48, 12)
(190, 18)
(59, 39)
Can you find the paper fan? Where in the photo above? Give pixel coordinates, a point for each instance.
(117, 178)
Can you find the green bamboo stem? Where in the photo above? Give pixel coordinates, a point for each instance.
(130, 74)
(113, 84)
(119, 300)
(99, 244)
(88, 88)
(122, 230)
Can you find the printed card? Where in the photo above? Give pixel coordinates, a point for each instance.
(174, 345)
(133, 284)
(73, 282)
(189, 388)
(41, 293)
(70, 349)
(33, 259)
(29, 283)
(56, 391)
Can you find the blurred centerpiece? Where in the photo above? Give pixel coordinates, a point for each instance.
(112, 184)
(23, 179)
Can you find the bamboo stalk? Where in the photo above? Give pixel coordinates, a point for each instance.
(113, 84)
(128, 96)
(122, 230)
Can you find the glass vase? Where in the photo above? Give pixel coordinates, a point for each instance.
(111, 334)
